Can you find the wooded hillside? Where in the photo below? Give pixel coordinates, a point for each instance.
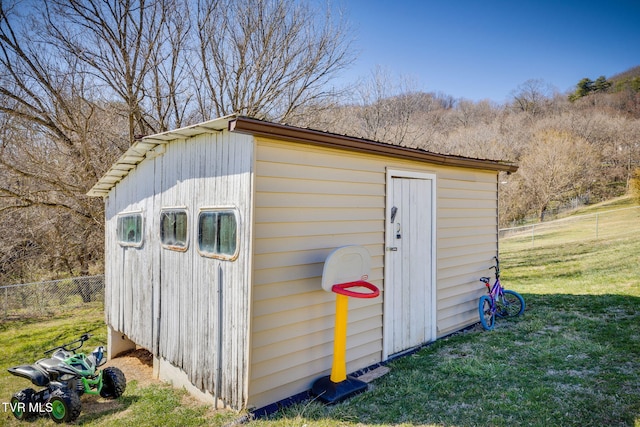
(571, 151)
(81, 79)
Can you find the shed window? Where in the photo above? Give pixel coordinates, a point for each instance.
(218, 234)
(173, 229)
(129, 229)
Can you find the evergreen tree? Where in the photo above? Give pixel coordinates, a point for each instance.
(582, 89)
(587, 86)
(601, 84)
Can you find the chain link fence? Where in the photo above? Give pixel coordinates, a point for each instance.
(600, 225)
(39, 299)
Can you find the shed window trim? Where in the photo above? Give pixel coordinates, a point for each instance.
(174, 229)
(218, 233)
(130, 229)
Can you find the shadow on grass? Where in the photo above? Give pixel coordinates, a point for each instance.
(94, 408)
(570, 360)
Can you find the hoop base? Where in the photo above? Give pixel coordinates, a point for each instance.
(330, 392)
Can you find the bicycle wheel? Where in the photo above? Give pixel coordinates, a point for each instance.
(487, 317)
(510, 304)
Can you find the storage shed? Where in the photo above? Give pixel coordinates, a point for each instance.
(216, 235)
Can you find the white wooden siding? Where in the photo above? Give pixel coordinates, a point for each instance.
(310, 200)
(191, 310)
(129, 270)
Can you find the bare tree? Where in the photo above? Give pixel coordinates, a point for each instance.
(471, 113)
(557, 166)
(266, 58)
(123, 45)
(54, 145)
(613, 136)
(169, 94)
(79, 79)
(384, 107)
(532, 97)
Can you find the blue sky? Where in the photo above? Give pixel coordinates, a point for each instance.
(485, 49)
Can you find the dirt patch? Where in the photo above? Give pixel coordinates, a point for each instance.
(137, 365)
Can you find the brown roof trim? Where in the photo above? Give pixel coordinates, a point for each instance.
(145, 147)
(267, 129)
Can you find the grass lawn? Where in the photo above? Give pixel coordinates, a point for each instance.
(573, 358)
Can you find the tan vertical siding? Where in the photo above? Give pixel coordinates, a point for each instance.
(310, 200)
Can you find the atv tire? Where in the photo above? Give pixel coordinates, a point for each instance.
(20, 405)
(64, 405)
(113, 383)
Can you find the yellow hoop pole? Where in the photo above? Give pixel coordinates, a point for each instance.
(339, 367)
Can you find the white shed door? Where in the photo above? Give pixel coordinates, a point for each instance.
(409, 291)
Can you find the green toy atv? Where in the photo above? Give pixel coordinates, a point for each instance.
(65, 376)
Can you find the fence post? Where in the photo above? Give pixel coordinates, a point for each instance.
(533, 234)
(6, 302)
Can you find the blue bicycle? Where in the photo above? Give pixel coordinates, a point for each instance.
(499, 301)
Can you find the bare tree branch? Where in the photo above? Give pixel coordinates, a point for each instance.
(266, 59)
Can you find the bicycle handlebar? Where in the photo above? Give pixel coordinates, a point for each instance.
(496, 267)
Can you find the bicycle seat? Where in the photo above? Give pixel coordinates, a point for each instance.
(485, 279)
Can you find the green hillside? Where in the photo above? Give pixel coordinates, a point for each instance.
(627, 79)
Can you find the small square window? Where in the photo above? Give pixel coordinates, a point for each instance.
(173, 229)
(129, 229)
(218, 234)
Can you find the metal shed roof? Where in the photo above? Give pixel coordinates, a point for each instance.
(141, 149)
(146, 147)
